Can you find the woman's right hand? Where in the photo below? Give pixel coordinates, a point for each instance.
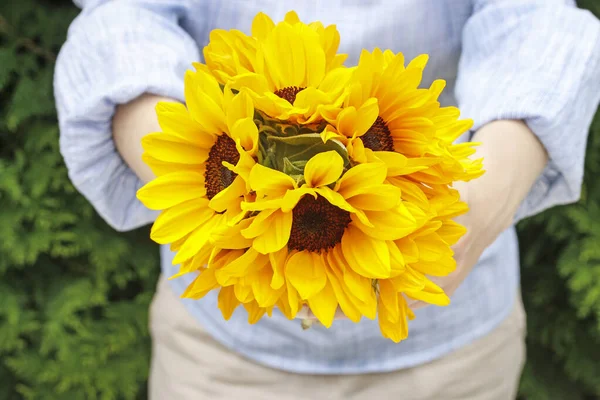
(131, 122)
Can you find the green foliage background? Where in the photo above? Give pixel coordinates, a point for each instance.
(74, 294)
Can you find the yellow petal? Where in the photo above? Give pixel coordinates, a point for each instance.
(172, 189)
(176, 222)
(277, 260)
(409, 280)
(243, 166)
(451, 231)
(375, 197)
(204, 110)
(391, 224)
(284, 306)
(347, 121)
(291, 17)
(335, 198)
(220, 257)
(245, 132)
(204, 283)
(277, 234)
(396, 259)
(198, 239)
(175, 119)
(346, 305)
(354, 179)
(240, 107)
(419, 61)
(394, 330)
(431, 294)
(442, 267)
(431, 246)
(294, 300)
(264, 294)
(208, 85)
(227, 302)
(255, 312)
(366, 116)
(336, 80)
(367, 256)
(389, 298)
(437, 87)
(358, 285)
(195, 263)
(276, 107)
(409, 249)
(311, 99)
(357, 151)
(243, 291)
(262, 25)
(315, 69)
(329, 133)
(292, 197)
(269, 182)
(324, 304)
(395, 162)
(306, 273)
(255, 85)
(170, 148)
(411, 191)
(259, 224)
(230, 237)
(261, 205)
(160, 167)
(229, 197)
(323, 169)
(241, 266)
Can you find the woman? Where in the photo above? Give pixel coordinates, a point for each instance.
(527, 72)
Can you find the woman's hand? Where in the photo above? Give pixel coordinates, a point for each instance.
(133, 121)
(513, 159)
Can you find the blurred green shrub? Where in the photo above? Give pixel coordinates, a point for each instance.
(74, 294)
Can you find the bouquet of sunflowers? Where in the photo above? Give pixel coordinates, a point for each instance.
(289, 180)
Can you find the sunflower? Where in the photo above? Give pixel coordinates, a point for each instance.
(325, 232)
(200, 159)
(387, 116)
(290, 69)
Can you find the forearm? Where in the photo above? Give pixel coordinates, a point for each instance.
(513, 158)
(132, 121)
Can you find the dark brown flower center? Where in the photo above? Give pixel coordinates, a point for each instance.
(378, 137)
(317, 225)
(217, 177)
(289, 93)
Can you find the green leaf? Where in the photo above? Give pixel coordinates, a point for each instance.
(8, 63)
(290, 154)
(31, 98)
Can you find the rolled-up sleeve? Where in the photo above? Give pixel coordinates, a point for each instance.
(115, 51)
(536, 61)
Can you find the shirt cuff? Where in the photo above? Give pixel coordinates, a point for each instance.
(540, 64)
(113, 54)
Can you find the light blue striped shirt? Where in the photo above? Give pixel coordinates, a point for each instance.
(536, 60)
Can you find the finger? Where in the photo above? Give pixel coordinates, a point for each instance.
(339, 314)
(305, 313)
(415, 305)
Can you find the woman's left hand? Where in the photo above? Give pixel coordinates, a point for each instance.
(513, 159)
